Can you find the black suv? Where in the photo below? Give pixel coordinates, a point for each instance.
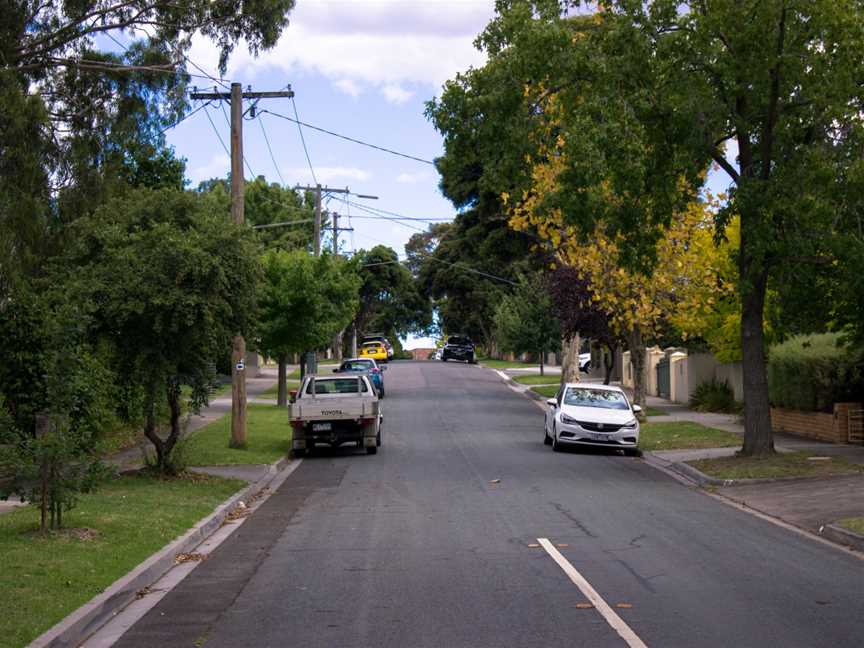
(458, 347)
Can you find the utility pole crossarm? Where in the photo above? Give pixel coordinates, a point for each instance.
(280, 94)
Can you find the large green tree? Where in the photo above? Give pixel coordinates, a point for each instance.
(169, 283)
(390, 302)
(304, 301)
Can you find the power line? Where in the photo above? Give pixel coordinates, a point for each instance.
(272, 157)
(302, 139)
(351, 139)
(185, 117)
(396, 216)
(216, 130)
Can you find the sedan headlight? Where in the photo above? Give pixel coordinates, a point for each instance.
(630, 424)
(568, 421)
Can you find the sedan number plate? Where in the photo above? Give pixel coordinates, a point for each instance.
(597, 437)
(322, 427)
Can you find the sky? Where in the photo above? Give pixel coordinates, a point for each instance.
(361, 68)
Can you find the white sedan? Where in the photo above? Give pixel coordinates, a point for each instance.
(591, 414)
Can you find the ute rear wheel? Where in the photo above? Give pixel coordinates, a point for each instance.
(372, 450)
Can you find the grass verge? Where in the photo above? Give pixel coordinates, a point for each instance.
(268, 436)
(681, 435)
(547, 391)
(537, 379)
(793, 464)
(650, 411)
(110, 532)
(856, 524)
(274, 390)
(505, 364)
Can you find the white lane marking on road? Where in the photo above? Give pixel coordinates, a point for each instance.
(591, 594)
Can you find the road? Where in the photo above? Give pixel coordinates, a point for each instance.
(422, 546)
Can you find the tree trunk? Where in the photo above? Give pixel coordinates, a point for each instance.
(570, 359)
(282, 396)
(173, 394)
(150, 429)
(758, 437)
(609, 364)
(541, 362)
(637, 362)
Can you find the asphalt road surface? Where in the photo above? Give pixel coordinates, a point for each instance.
(422, 546)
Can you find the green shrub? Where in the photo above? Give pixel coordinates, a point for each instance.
(812, 372)
(714, 396)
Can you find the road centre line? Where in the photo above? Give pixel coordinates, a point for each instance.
(616, 622)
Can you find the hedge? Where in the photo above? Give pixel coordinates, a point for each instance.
(812, 372)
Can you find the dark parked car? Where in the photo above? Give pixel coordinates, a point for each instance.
(458, 347)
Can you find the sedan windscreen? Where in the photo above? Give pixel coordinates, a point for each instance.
(602, 398)
(459, 341)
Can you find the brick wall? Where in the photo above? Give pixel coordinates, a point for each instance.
(833, 428)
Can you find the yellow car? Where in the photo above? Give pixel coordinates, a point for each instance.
(374, 350)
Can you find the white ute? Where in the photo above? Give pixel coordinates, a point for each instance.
(335, 410)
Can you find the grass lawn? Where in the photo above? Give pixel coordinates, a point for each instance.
(855, 524)
(505, 364)
(680, 435)
(537, 379)
(794, 464)
(268, 435)
(273, 391)
(45, 578)
(650, 411)
(548, 391)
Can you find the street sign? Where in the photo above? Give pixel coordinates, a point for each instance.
(241, 365)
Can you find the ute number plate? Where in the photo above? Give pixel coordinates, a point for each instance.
(322, 427)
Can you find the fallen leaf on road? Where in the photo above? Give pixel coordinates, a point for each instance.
(563, 545)
(584, 606)
(625, 606)
(189, 557)
(533, 546)
(823, 602)
(494, 481)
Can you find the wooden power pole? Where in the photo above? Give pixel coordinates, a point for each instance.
(238, 353)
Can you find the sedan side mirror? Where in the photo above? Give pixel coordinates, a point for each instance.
(637, 409)
(552, 402)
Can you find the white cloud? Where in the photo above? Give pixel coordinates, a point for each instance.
(368, 43)
(218, 167)
(396, 94)
(349, 87)
(411, 178)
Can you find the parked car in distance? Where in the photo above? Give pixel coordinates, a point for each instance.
(584, 362)
(458, 347)
(364, 366)
(591, 414)
(335, 410)
(383, 340)
(374, 350)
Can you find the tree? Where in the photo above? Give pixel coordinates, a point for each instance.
(304, 301)
(171, 284)
(390, 302)
(525, 321)
(580, 316)
(780, 81)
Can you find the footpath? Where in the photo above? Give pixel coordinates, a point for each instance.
(810, 503)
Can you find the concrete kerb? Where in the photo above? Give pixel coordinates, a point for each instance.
(522, 389)
(83, 622)
(700, 478)
(838, 534)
